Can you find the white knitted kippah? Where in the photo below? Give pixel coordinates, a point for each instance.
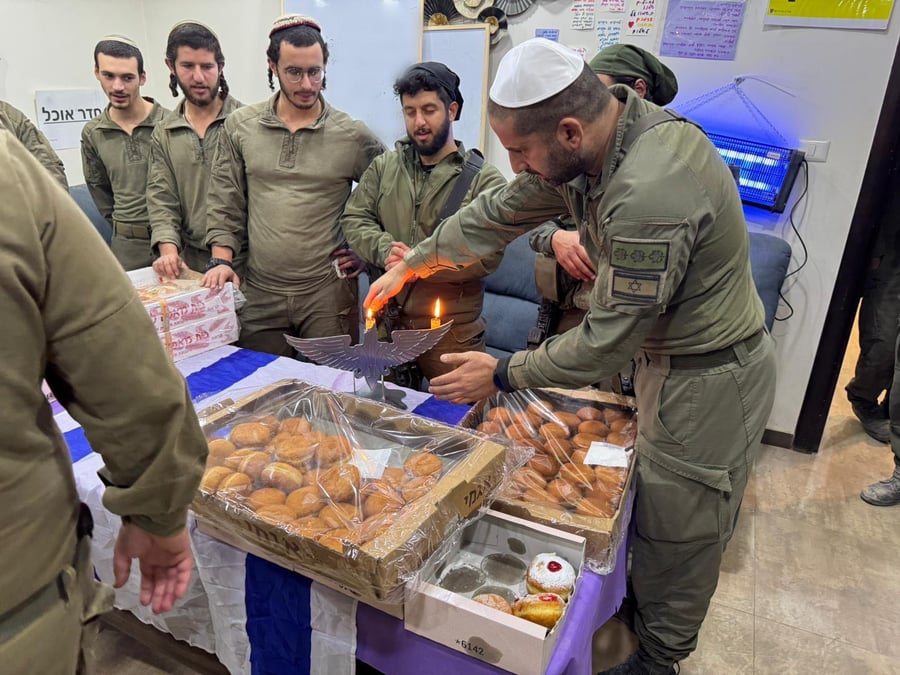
(534, 71)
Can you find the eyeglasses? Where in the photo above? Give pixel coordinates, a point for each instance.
(296, 75)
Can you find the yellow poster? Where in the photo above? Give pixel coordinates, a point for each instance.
(857, 14)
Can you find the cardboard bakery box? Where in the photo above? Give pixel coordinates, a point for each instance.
(200, 336)
(226, 533)
(368, 556)
(604, 533)
(455, 620)
(176, 302)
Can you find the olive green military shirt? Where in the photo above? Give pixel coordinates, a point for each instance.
(285, 192)
(178, 178)
(397, 200)
(665, 229)
(115, 166)
(71, 316)
(31, 137)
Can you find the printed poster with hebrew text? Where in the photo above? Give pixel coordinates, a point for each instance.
(62, 113)
(702, 29)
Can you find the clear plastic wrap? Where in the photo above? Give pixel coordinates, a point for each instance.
(580, 474)
(341, 488)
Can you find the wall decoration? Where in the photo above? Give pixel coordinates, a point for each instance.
(702, 29)
(608, 33)
(612, 5)
(640, 17)
(853, 14)
(582, 12)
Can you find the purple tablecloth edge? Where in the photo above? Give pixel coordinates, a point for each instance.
(383, 642)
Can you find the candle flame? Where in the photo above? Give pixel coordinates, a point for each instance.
(437, 308)
(369, 314)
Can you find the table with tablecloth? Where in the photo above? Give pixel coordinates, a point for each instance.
(258, 617)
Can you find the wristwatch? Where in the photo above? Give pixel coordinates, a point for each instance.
(215, 262)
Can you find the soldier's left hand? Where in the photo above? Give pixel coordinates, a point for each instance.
(165, 564)
(572, 255)
(350, 264)
(471, 380)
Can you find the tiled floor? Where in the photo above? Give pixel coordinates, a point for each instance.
(810, 582)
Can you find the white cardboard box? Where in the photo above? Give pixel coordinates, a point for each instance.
(456, 621)
(177, 302)
(188, 318)
(200, 336)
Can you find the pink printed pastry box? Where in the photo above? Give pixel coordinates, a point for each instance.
(200, 336)
(172, 303)
(189, 319)
(498, 592)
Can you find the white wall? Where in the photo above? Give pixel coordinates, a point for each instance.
(49, 44)
(838, 78)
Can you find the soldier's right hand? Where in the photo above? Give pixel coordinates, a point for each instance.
(572, 256)
(220, 275)
(387, 286)
(169, 266)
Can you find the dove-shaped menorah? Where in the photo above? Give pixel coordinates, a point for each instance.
(371, 359)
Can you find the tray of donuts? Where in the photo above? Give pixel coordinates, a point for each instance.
(343, 487)
(498, 590)
(580, 475)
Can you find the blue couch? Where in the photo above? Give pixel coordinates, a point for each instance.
(511, 301)
(82, 197)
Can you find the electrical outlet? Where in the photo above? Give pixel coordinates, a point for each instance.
(815, 151)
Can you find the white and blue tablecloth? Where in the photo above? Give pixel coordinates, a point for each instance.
(260, 618)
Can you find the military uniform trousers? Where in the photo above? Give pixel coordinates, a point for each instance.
(894, 406)
(879, 314)
(53, 632)
(131, 246)
(701, 423)
(330, 309)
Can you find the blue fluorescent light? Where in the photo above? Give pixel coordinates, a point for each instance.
(767, 172)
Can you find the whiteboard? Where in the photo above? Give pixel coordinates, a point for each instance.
(464, 50)
(371, 43)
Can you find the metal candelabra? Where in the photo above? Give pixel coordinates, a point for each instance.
(371, 359)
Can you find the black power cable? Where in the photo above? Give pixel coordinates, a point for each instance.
(803, 194)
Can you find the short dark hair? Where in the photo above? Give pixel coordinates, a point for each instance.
(416, 80)
(585, 99)
(298, 36)
(195, 36)
(119, 50)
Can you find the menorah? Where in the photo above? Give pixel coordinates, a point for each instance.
(372, 358)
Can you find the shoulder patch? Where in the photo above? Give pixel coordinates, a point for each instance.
(635, 286)
(646, 255)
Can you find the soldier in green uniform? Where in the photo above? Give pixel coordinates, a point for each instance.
(399, 202)
(72, 317)
(182, 149)
(115, 149)
(879, 358)
(14, 120)
(659, 214)
(282, 175)
(563, 272)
